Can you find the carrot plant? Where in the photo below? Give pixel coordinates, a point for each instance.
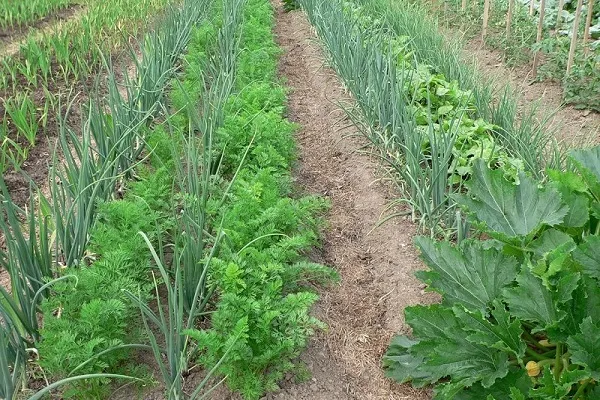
(258, 276)
(121, 262)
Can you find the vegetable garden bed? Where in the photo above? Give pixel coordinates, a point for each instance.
(173, 251)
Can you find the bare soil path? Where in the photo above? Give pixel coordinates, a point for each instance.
(376, 266)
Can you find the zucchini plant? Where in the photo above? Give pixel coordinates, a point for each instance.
(520, 311)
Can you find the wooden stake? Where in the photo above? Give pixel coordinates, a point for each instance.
(486, 18)
(588, 22)
(509, 17)
(574, 37)
(539, 37)
(531, 3)
(561, 5)
(463, 6)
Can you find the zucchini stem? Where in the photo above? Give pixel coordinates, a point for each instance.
(581, 389)
(558, 361)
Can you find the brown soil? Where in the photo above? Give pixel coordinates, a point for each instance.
(376, 266)
(574, 127)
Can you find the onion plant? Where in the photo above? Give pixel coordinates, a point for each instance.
(92, 161)
(195, 174)
(27, 259)
(110, 143)
(387, 115)
(12, 154)
(22, 112)
(12, 355)
(169, 323)
(187, 292)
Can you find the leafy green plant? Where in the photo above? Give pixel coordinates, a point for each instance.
(71, 334)
(516, 307)
(526, 139)
(583, 83)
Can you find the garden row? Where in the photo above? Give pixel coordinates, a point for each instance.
(560, 38)
(172, 223)
(517, 266)
(51, 68)
(426, 109)
(18, 14)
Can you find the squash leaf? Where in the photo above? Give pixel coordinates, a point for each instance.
(472, 275)
(588, 164)
(531, 300)
(588, 159)
(550, 388)
(585, 303)
(447, 352)
(504, 334)
(512, 211)
(585, 348)
(588, 255)
(403, 366)
(516, 383)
